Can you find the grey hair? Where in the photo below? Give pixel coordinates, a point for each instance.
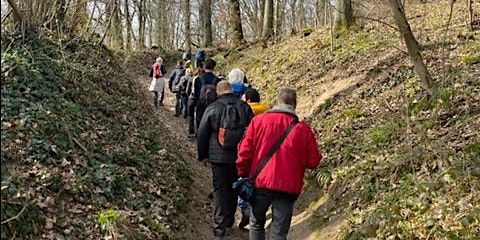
(287, 96)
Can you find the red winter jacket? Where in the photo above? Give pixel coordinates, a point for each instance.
(284, 172)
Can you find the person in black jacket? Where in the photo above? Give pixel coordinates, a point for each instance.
(221, 159)
(175, 77)
(207, 78)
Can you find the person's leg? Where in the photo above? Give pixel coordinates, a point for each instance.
(224, 198)
(199, 114)
(282, 209)
(191, 120)
(155, 98)
(258, 214)
(177, 104)
(245, 210)
(184, 110)
(162, 94)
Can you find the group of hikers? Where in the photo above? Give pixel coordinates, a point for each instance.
(258, 154)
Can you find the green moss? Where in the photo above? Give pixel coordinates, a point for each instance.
(471, 59)
(381, 135)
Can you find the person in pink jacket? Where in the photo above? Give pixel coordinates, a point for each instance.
(280, 182)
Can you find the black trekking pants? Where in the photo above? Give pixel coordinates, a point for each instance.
(191, 116)
(224, 197)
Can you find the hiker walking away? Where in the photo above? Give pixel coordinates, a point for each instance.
(252, 97)
(181, 87)
(200, 57)
(237, 78)
(187, 55)
(174, 79)
(157, 86)
(192, 103)
(284, 148)
(204, 89)
(219, 133)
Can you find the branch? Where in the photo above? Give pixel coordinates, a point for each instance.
(445, 39)
(16, 216)
(108, 24)
(15, 10)
(379, 21)
(6, 16)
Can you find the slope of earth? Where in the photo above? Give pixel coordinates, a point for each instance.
(401, 164)
(83, 155)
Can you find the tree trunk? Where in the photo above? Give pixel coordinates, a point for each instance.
(344, 14)
(235, 23)
(301, 11)
(267, 32)
(412, 45)
(294, 13)
(470, 15)
(207, 22)
(187, 13)
(261, 12)
(128, 25)
(141, 24)
(117, 35)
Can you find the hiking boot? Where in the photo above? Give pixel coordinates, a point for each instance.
(245, 220)
(191, 135)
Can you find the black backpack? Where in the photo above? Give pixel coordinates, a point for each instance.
(232, 126)
(163, 69)
(208, 94)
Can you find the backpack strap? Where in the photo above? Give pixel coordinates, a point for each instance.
(273, 150)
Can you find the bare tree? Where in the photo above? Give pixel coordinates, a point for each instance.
(206, 21)
(344, 14)
(186, 19)
(470, 15)
(128, 25)
(235, 23)
(412, 45)
(267, 32)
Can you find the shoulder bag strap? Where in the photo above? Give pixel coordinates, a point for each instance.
(273, 150)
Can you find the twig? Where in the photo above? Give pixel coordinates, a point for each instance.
(6, 16)
(16, 216)
(452, 2)
(379, 21)
(79, 144)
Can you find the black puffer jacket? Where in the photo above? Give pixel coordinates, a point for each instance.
(207, 142)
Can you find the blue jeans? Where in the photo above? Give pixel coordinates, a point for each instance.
(243, 205)
(282, 209)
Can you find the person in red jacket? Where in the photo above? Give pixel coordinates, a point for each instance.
(280, 182)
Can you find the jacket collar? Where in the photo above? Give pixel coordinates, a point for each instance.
(286, 108)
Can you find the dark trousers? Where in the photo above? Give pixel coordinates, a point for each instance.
(184, 105)
(224, 197)
(178, 104)
(199, 114)
(282, 209)
(158, 98)
(191, 116)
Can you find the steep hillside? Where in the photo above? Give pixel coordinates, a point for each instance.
(401, 164)
(83, 155)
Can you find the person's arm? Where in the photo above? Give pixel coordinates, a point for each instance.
(172, 77)
(246, 148)
(312, 154)
(203, 134)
